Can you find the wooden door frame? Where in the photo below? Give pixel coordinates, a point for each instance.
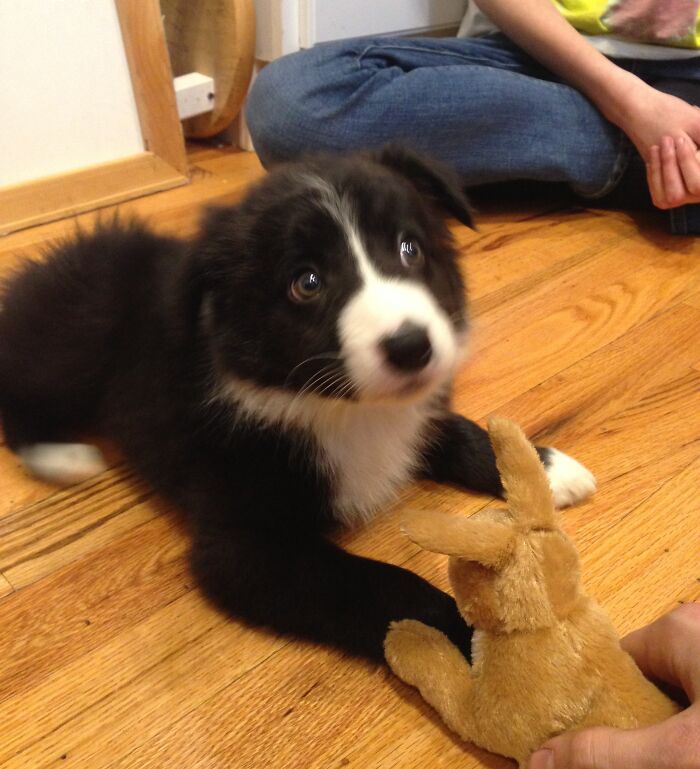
(162, 165)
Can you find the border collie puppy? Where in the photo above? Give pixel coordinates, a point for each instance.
(284, 372)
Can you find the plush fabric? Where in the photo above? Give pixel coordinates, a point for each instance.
(545, 657)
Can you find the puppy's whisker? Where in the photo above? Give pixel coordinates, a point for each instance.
(333, 385)
(314, 382)
(315, 379)
(346, 389)
(321, 356)
(311, 385)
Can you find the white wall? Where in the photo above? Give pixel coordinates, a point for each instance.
(324, 20)
(66, 100)
(284, 26)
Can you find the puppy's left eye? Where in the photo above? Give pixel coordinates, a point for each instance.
(410, 253)
(306, 287)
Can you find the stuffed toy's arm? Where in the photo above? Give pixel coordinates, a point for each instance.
(425, 658)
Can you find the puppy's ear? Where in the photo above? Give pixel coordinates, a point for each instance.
(204, 265)
(439, 184)
(217, 220)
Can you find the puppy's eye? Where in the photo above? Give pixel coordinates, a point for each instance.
(410, 253)
(306, 287)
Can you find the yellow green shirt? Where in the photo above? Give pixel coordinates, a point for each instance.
(663, 22)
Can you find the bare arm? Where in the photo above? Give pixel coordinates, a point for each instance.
(660, 126)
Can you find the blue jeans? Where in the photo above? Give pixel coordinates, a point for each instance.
(481, 105)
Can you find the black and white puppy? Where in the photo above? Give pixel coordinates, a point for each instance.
(285, 371)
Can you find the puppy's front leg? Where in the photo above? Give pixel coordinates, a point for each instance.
(461, 454)
(303, 585)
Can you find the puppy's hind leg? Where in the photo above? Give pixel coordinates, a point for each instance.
(42, 442)
(63, 464)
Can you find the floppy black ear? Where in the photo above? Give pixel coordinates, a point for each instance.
(433, 181)
(204, 263)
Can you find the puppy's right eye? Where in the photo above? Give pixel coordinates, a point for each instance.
(410, 253)
(306, 287)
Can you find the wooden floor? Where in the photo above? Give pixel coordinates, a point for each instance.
(586, 330)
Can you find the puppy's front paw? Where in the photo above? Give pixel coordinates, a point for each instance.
(571, 482)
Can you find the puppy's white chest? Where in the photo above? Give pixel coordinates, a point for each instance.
(368, 450)
(370, 455)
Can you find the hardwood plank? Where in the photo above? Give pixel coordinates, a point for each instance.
(587, 393)
(5, 587)
(111, 700)
(626, 441)
(53, 622)
(529, 252)
(237, 167)
(39, 539)
(310, 704)
(651, 549)
(525, 338)
(597, 269)
(17, 489)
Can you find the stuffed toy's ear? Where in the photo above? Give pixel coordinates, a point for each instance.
(523, 476)
(440, 185)
(487, 542)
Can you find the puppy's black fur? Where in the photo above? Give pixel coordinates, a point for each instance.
(130, 333)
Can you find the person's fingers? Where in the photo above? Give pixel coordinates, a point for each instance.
(674, 186)
(654, 178)
(669, 649)
(689, 164)
(673, 744)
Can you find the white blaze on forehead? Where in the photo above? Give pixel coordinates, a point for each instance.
(379, 308)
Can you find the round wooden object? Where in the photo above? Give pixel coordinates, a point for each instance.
(216, 38)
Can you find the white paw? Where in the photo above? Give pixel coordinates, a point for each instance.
(570, 481)
(62, 463)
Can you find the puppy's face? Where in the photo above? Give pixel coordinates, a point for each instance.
(338, 277)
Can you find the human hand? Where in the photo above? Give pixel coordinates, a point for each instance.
(673, 173)
(666, 132)
(668, 649)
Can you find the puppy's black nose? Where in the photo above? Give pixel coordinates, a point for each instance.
(409, 348)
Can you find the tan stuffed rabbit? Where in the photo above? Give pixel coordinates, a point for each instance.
(546, 658)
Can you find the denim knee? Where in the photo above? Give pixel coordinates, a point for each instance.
(275, 111)
(264, 114)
